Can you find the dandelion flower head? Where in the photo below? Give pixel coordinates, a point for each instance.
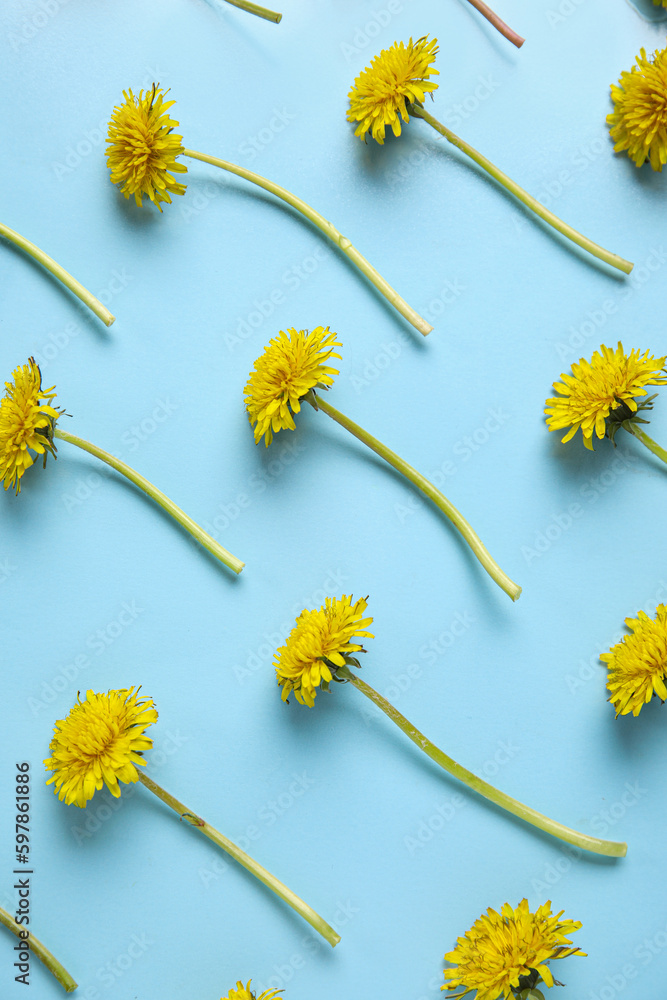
(294, 363)
(637, 665)
(27, 420)
(501, 948)
(638, 124)
(596, 387)
(143, 147)
(396, 78)
(99, 743)
(245, 993)
(320, 641)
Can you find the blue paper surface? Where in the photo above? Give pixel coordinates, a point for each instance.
(101, 590)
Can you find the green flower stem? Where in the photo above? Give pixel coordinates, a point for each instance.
(160, 498)
(254, 8)
(438, 498)
(43, 954)
(609, 848)
(523, 196)
(70, 282)
(329, 230)
(297, 904)
(652, 445)
(503, 28)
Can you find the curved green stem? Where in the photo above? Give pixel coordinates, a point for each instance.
(610, 848)
(59, 272)
(593, 248)
(297, 904)
(652, 445)
(493, 18)
(329, 230)
(254, 8)
(43, 954)
(160, 498)
(512, 589)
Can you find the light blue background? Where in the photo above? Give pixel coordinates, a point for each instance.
(519, 694)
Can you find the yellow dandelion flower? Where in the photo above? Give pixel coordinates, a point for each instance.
(638, 124)
(292, 365)
(659, 2)
(637, 665)
(100, 743)
(143, 147)
(27, 421)
(320, 641)
(320, 649)
(245, 993)
(610, 381)
(396, 78)
(507, 951)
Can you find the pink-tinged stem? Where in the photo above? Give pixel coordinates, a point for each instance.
(497, 23)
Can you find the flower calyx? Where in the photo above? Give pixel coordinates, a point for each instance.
(622, 416)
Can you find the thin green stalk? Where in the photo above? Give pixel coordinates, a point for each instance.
(67, 279)
(43, 954)
(512, 589)
(254, 8)
(160, 498)
(503, 28)
(297, 904)
(593, 248)
(610, 848)
(652, 445)
(329, 230)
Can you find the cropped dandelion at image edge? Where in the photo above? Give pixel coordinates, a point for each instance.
(638, 123)
(637, 665)
(245, 993)
(27, 421)
(505, 952)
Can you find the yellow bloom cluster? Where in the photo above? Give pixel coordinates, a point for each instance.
(501, 948)
(25, 424)
(99, 743)
(397, 77)
(294, 363)
(317, 643)
(596, 387)
(143, 148)
(637, 665)
(638, 124)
